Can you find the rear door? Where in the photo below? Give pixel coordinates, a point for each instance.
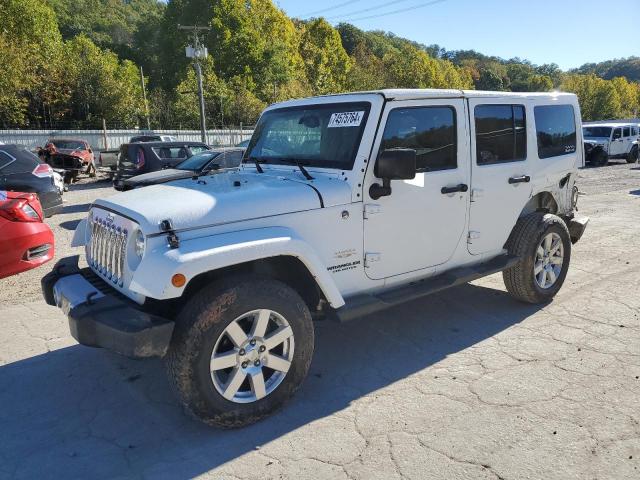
(500, 171)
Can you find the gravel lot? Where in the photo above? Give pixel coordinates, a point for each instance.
(464, 384)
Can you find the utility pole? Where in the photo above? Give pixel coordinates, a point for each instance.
(198, 51)
(144, 96)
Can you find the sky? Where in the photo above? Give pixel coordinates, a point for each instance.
(567, 32)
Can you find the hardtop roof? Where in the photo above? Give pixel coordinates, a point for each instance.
(429, 93)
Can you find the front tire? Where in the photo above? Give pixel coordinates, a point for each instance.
(600, 159)
(240, 350)
(543, 243)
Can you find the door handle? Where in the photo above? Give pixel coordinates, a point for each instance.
(520, 179)
(458, 188)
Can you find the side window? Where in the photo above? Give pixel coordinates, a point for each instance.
(501, 134)
(617, 133)
(197, 149)
(430, 131)
(555, 129)
(170, 153)
(626, 132)
(5, 160)
(25, 162)
(634, 131)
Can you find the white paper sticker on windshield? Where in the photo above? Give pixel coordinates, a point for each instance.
(345, 119)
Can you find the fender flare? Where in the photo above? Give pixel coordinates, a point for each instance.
(152, 278)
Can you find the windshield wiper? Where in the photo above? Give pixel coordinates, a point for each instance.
(296, 162)
(302, 169)
(256, 160)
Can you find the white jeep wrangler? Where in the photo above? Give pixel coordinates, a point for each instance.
(604, 141)
(344, 205)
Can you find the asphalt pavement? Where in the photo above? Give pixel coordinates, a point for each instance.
(467, 383)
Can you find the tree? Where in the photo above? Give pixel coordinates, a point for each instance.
(33, 46)
(367, 71)
(489, 80)
(598, 98)
(101, 86)
(226, 103)
(326, 62)
(255, 40)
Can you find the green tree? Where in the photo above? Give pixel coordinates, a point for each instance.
(489, 80)
(325, 60)
(255, 40)
(30, 31)
(101, 86)
(226, 103)
(598, 98)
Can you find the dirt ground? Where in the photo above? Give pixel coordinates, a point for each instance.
(466, 383)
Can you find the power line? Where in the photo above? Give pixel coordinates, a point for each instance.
(393, 12)
(340, 5)
(368, 9)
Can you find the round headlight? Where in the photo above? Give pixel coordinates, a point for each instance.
(140, 243)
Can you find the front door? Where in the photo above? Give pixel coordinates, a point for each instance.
(500, 175)
(617, 143)
(423, 220)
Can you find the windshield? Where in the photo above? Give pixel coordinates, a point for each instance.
(326, 135)
(594, 132)
(68, 145)
(197, 162)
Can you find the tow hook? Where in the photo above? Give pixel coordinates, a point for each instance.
(167, 227)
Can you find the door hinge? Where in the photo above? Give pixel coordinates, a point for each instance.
(370, 258)
(473, 236)
(371, 209)
(476, 193)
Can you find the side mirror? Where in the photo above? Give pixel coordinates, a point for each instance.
(393, 164)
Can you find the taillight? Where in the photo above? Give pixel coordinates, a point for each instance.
(43, 170)
(140, 159)
(19, 210)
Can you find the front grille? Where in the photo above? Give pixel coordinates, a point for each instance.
(107, 249)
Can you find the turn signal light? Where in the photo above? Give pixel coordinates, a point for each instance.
(178, 280)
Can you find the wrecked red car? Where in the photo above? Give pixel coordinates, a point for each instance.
(73, 156)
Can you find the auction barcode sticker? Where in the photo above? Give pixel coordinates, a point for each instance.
(345, 119)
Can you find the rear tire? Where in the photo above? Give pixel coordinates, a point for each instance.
(633, 155)
(538, 276)
(207, 330)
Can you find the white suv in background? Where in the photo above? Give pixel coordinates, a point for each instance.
(604, 141)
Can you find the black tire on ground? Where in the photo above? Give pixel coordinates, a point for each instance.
(633, 155)
(600, 158)
(203, 320)
(523, 242)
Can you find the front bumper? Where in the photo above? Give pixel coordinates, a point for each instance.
(101, 317)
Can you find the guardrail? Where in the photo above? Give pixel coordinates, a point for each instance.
(114, 138)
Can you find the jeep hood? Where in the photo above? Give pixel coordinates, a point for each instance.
(224, 198)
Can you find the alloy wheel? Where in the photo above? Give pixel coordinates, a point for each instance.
(252, 356)
(549, 260)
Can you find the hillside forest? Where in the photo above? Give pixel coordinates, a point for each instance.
(75, 63)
